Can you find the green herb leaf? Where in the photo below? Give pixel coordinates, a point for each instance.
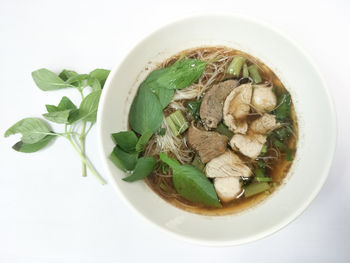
(182, 74)
(77, 80)
(161, 131)
(34, 147)
(192, 184)
(123, 160)
(101, 75)
(126, 140)
(194, 107)
(282, 111)
(32, 129)
(146, 112)
(89, 105)
(143, 168)
(62, 112)
(224, 130)
(58, 116)
(47, 80)
(94, 83)
(143, 140)
(66, 74)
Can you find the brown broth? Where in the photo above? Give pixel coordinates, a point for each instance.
(163, 186)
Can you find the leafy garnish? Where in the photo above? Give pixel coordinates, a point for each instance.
(194, 107)
(123, 160)
(143, 168)
(126, 140)
(143, 140)
(192, 184)
(282, 111)
(36, 134)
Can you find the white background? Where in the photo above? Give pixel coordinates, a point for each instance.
(49, 213)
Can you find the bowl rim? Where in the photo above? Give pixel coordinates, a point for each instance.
(332, 139)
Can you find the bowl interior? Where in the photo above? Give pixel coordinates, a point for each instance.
(314, 110)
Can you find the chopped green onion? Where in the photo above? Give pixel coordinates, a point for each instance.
(198, 163)
(223, 129)
(236, 65)
(263, 150)
(263, 179)
(259, 172)
(245, 73)
(177, 123)
(255, 188)
(254, 73)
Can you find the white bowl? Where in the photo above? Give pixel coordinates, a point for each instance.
(314, 108)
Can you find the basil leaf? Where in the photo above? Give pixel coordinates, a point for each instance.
(66, 104)
(126, 140)
(282, 111)
(143, 168)
(62, 112)
(51, 108)
(123, 160)
(58, 116)
(34, 147)
(94, 84)
(101, 75)
(89, 105)
(66, 74)
(182, 74)
(143, 140)
(32, 130)
(77, 79)
(146, 112)
(192, 184)
(47, 80)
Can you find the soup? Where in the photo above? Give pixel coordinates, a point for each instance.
(212, 131)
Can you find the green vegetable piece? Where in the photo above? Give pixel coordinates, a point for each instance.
(34, 147)
(282, 133)
(32, 129)
(280, 145)
(143, 168)
(66, 104)
(94, 83)
(290, 154)
(236, 66)
(194, 108)
(66, 74)
(254, 73)
(177, 123)
(101, 75)
(245, 73)
(126, 140)
(58, 116)
(77, 80)
(224, 130)
(143, 140)
(261, 164)
(123, 160)
(89, 105)
(146, 112)
(182, 74)
(263, 179)
(263, 150)
(191, 184)
(198, 163)
(259, 172)
(282, 111)
(162, 131)
(47, 80)
(255, 188)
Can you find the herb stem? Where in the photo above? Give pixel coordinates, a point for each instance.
(82, 146)
(85, 161)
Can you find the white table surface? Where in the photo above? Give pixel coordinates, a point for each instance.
(49, 213)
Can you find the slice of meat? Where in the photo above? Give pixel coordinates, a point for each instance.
(213, 102)
(248, 144)
(208, 144)
(227, 188)
(237, 107)
(264, 124)
(226, 165)
(264, 99)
